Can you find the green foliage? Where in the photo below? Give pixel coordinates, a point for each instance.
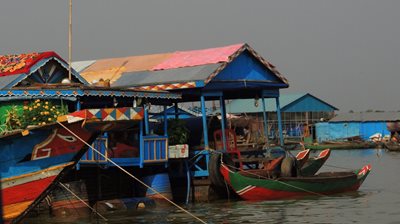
(13, 119)
(177, 132)
(37, 112)
(41, 112)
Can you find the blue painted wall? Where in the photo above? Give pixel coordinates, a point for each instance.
(308, 103)
(336, 130)
(369, 128)
(331, 131)
(246, 67)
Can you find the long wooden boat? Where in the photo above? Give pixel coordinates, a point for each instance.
(255, 186)
(392, 146)
(342, 145)
(33, 161)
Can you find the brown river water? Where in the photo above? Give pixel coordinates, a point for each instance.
(377, 201)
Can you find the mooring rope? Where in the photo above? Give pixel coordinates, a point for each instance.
(129, 174)
(80, 199)
(339, 167)
(262, 177)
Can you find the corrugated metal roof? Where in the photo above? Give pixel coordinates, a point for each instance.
(180, 75)
(75, 91)
(113, 68)
(367, 116)
(182, 59)
(6, 80)
(81, 65)
(21, 63)
(30, 64)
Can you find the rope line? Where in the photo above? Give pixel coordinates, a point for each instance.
(129, 174)
(80, 199)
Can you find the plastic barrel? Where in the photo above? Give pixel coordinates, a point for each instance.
(159, 182)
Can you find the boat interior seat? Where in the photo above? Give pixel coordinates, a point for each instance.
(231, 143)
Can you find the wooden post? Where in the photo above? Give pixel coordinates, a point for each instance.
(165, 121)
(223, 121)
(278, 112)
(204, 118)
(265, 120)
(176, 110)
(146, 119)
(70, 40)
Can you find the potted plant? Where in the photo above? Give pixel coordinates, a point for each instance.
(178, 137)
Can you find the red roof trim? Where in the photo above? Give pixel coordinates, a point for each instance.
(22, 63)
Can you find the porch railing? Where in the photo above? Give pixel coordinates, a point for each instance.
(100, 144)
(154, 149)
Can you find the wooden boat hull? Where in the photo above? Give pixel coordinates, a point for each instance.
(251, 188)
(366, 145)
(33, 162)
(392, 146)
(312, 165)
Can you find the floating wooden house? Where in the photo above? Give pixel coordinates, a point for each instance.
(43, 78)
(299, 113)
(223, 73)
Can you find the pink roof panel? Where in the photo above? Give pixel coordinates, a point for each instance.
(182, 59)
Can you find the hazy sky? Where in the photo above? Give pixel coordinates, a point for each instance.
(345, 52)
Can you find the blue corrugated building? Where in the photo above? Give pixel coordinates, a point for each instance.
(363, 124)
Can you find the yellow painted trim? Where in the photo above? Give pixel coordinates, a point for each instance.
(62, 118)
(14, 210)
(37, 172)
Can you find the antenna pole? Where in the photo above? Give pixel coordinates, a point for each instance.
(70, 40)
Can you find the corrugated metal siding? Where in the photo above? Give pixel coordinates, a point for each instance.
(370, 128)
(166, 76)
(331, 131)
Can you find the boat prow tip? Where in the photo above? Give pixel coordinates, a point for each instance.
(365, 170)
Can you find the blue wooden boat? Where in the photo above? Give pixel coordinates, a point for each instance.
(33, 160)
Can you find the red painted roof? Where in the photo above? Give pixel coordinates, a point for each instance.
(181, 59)
(21, 63)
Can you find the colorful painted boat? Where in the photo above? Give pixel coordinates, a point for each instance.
(34, 160)
(252, 186)
(312, 165)
(302, 157)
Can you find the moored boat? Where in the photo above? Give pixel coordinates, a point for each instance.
(253, 185)
(34, 160)
(312, 165)
(392, 146)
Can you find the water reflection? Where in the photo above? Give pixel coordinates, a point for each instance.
(377, 201)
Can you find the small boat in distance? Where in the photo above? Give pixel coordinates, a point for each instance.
(392, 146)
(253, 185)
